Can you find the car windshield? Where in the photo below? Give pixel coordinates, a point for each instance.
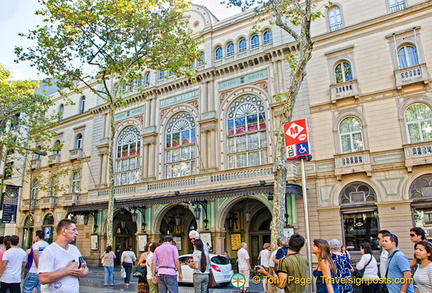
(220, 260)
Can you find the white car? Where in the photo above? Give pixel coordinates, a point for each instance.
(221, 267)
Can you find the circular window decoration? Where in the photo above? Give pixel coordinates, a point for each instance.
(196, 23)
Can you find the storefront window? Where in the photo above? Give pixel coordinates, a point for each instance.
(359, 213)
(421, 194)
(361, 227)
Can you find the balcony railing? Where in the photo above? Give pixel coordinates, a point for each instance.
(28, 205)
(48, 202)
(211, 180)
(54, 159)
(418, 154)
(35, 163)
(75, 154)
(397, 6)
(344, 90)
(411, 75)
(351, 163)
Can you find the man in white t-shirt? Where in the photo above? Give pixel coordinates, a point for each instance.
(244, 265)
(61, 264)
(12, 266)
(32, 279)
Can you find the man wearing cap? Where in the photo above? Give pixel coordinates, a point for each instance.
(166, 255)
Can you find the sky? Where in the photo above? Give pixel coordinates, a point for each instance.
(18, 16)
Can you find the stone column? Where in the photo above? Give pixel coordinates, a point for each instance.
(149, 156)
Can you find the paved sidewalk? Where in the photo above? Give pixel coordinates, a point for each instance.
(94, 282)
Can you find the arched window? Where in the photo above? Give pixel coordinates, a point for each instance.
(180, 148)
(53, 186)
(351, 137)
(82, 105)
(57, 147)
(218, 53)
(60, 112)
(421, 192)
(343, 72)
(79, 141)
(242, 45)
(268, 37)
(47, 226)
(201, 59)
(361, 225)
(34, 189)
(76, 181)
(407, 56)
(418, 119)
(147, 78)
(161, 74)
(335, 18)
(127, 157)
(254, 41)
(247, 136)
(230, 49)
(140, 81)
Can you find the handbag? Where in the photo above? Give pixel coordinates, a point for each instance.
(212, 281)
(122, 273)
(139, 272)
(359, 273)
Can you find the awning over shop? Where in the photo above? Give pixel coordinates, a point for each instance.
(177, 197)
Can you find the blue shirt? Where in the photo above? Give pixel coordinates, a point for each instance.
(397, 263)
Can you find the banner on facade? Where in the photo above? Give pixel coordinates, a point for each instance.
(10, 203)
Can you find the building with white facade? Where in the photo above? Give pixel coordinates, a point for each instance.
(200, 155)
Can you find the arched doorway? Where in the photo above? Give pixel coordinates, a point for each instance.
(124, 233)
(27, 232)
(248, 221)
(177, 222)
(48, 227)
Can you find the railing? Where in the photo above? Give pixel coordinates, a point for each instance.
(357, 162)
(344, 90)
(397, 6)
(75, 154)
(35, 163)
(48, 202)
(28, 205)
(336, 26)
(211, 180)
(418, 154)
(54, 159)
(410, 75)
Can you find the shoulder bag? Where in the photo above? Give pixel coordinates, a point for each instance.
(359, 273)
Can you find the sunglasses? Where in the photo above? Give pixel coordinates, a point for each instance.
(192, 239)
(413, 235)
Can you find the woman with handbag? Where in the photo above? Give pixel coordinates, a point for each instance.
(343, 266)
(326, 269)
(141, 272)
(126, 261)
(368, 268)
(201, 265)
(107, 258)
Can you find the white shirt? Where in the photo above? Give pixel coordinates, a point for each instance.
(55, 258)
(149, 261)
(243, 255)
(15, 258)
(383, 263)
(371, 271)
(265, 257)
(39, 246)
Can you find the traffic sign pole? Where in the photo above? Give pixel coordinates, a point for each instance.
(307, 224)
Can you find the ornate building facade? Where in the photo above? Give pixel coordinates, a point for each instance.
(200, 155)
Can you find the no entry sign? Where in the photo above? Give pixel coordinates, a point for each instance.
(296, 135)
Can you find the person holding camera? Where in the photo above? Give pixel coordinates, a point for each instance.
(292, 269)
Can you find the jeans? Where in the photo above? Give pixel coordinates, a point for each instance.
(200, 282)
(109, 275)
(31, 281)
(128, 269)
(168, 283)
